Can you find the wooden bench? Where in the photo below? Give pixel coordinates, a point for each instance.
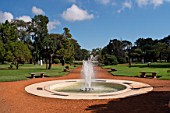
(112, 69)
(33, 75)
(42, 75)
(143, 74)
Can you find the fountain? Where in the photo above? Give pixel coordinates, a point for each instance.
(88, 75)
(88, 87)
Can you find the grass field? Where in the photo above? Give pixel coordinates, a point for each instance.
(135, 69)
(24, 71)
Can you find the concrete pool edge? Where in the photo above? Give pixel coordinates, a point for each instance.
(133, 88)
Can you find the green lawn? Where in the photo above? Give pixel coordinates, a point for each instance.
(135, 69)
(23, 72)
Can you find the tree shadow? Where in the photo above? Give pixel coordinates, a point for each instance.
(153, 102)
(163, 65)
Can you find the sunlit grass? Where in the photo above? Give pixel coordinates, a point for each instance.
(135, 69)
(24, 71)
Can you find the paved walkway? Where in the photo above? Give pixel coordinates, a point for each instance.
(14, 99)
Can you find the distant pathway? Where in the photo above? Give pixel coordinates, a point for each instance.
(14, 99)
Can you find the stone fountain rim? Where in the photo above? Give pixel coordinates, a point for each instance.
(133, 88)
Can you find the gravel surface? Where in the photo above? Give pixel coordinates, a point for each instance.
(14, 99)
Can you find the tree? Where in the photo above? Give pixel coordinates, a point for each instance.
(77, 50)
(67, 48)
(161, 50)
(39, 33)
(136, 53)
(115, 47)
(8, 33)
(22, 29)
(17, 52)
(2, 51)
(85, 54)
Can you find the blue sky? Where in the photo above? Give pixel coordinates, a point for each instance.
(93, 23)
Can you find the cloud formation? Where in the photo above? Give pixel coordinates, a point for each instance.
(155, 3)
(37, 11)
(24, 18)
(53, 24)
(5, 16)
(126, 4)
(74, 13)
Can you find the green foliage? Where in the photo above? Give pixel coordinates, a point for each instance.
(110, 60)
(121, 60)
(56, 61)
(40, 31)
(17, 52)
(2, 50)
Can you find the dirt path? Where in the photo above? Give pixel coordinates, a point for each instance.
(14, 99)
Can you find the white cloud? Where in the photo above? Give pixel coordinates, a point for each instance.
(5, 16)
(142, 2)
(74, 13)
(127, 4)
(37, 11)
(104, 2)
(157, 2)
(24, 18)
(53, 24)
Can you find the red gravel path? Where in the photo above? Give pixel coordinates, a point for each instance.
(14, 99)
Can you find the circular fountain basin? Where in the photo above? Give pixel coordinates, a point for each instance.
(103, 89)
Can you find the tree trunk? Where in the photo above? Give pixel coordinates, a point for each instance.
(17, 65)
(50, 61)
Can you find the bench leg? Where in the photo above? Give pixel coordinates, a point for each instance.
(33, 76)
(143, 75)
(42, 75)
(154, 75)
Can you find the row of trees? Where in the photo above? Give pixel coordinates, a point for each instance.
(143, 50)
(22, 42)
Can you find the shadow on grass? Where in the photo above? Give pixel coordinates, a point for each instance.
(153, 102)
(163, 65)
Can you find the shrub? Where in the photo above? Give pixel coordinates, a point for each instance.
(110, 60)
(56, 61)
(121, 60)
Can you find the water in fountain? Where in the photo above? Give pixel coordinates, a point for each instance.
(88, 75)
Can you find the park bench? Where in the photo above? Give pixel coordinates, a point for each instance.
(143, 74)
(33, 75)
(112, 69)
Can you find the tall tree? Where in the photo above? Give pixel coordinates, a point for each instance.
(17, 52)
(39, 34)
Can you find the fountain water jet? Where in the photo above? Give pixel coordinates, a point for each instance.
(88, 75)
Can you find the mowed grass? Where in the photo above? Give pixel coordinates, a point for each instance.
(24, 71)
(135, 69)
